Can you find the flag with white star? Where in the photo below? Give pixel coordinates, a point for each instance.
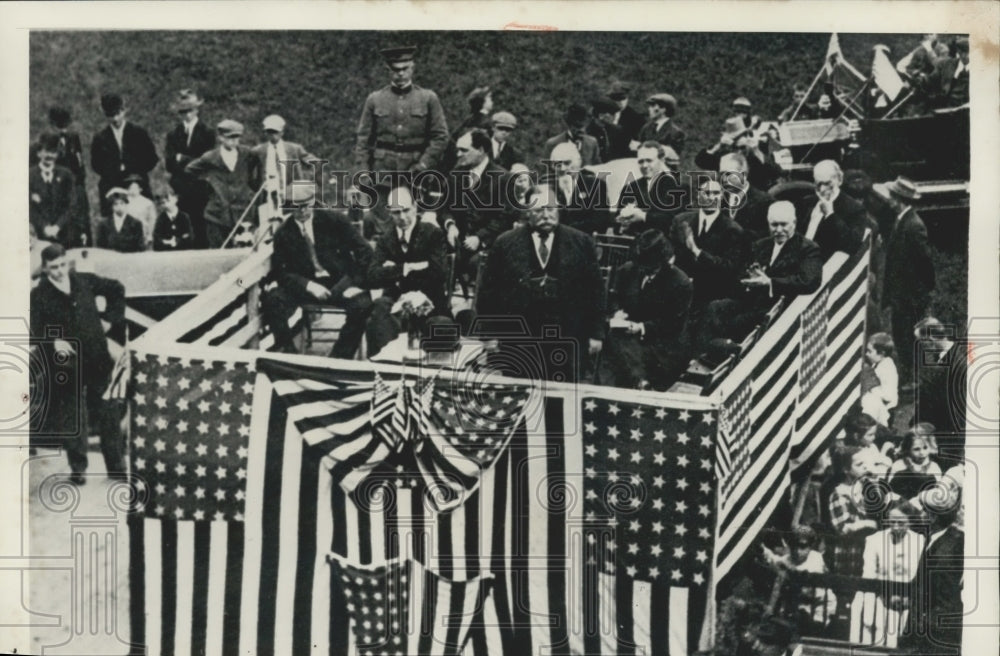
(190, 436)
(649, 511)
(401, 608)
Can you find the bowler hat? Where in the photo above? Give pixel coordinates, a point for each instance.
(111, 104)
(398, 55)
(229, 128)
(576, 115)
(187, 99)
(903, 188)
(59, 117)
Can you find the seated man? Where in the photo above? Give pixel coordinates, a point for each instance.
(319, 258)
(120, 231)
(783, 265)
(653, 200)
(744, 203)
(577, 118)
(835, 221)
(644, 347)
(581, 195)
(409, 258)
(738, 137)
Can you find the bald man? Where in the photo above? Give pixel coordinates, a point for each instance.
(783, 265)
(409, 257)
(581, 195)
(834, 220)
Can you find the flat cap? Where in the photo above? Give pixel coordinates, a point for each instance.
(229, 128)
(663, 100)
(504, 119)
(742, 101)
(398, 55)
(274, 122)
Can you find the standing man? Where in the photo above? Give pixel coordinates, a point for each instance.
(909, 272)
(548, 275)
(836, 222)
(625, 117)
(65, 301)
(402, 127)
(189, 140)
(319, 258)
(576, 120)
(505, 154)
(69, 154)
(120, 149)
(279, 162)
(227, 172)
(611, 139)
(661, 108)
(51, 191)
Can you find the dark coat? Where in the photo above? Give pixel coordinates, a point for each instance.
(798, 269)
(179, 153)
(752, 215)
(843, 230)
(934, 620)
(573, 296)
(340, 249)
(179, 229)
(131, 238)
(51, 203)
(941, 393)
(668, 134)
(661, 306)
(909, 265)
(509, 156)
(761, 173)
(944, 88)
(588, 209)
(427, 244)
(725, 251)
(137, 155)
(631, 122)
(478, 211)
(77, 316)
(590, 152)
(611, 140)
(229, 192)
(661, 203)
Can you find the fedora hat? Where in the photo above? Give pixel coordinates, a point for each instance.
(903, 188)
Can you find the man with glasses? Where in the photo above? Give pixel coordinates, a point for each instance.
(187, 141)
(402, 127)
(581, 195)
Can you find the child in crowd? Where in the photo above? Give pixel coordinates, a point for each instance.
(914, 470)
(173, 227)
(141, 207)
(884, 396)
(802, 556)
(861, 430)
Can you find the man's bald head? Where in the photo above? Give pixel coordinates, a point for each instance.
(781, 220)
(828, 177)
(566, 157)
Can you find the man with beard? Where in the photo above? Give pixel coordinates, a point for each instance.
(546, 275)
(836, 222)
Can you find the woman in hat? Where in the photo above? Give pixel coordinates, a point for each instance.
(645, 346)
(120, 231)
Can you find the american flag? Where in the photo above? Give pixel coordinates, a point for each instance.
(401, 608)
(813, 332)
(649, 517)
(734, 432)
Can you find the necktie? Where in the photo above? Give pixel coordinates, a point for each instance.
(543, 249)
(704, 226)
(403, 243)
(566, 186)
(187, 134)
(312, 250)
(47, 177)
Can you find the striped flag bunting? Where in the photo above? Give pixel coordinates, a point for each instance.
(402, 608)
(813, 328)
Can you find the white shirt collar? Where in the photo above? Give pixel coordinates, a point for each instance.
(119, 221)
(707, 219)
(479, 168)
(406, 234)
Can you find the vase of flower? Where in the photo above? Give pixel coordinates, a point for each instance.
(411, 309)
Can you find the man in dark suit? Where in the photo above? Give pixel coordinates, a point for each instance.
(547, 275)
(941, 364)
(504, 153)
(783, 265)
(738, 137)
(611, 138)
(909, 272)
(741, 201)
(577, 119)
(711, 247)
(410, 257)
(948, 84)
(653, 200)
(645, 344)
(934, 623)
(69, 154)
(66, 301)
(51, 192)
(582, 196)
(226, 174)
(119, 150)
(474, 213)
(834, 220)
(319, 258)
(186, 142)
(660, 127)
(627, 118)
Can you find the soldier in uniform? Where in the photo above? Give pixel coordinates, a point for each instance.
(402, 128)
